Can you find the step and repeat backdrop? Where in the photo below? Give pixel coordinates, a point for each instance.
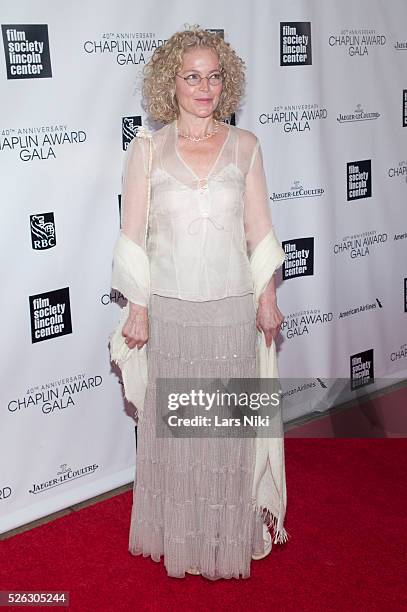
(327, 97)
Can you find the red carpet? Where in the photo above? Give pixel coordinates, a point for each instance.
(346, 517)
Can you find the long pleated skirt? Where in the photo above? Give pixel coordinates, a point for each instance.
(192, 495)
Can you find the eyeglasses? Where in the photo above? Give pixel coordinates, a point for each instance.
(195, 79)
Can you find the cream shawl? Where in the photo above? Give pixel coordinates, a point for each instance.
(131, 270)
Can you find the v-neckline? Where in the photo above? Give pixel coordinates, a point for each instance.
(188, 167)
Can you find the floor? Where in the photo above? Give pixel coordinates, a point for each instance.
(379, 414)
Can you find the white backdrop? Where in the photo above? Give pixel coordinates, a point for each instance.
(332, 108)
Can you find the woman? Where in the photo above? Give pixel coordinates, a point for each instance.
(194, 199)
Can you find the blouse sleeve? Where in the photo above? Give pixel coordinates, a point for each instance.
(133, 219)
(257, 215)
(134, 198)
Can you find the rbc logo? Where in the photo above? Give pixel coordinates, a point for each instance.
(130, 126)
(42, 231)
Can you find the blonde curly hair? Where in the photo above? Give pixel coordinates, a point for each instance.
(159, 74)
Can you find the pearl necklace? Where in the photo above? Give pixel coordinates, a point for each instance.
(198, 138)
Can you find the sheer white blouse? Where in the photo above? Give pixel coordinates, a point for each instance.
(201, 231)
(204, 238)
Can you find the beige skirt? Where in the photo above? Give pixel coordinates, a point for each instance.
(192, 496)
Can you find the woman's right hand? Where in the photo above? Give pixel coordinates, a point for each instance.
(135, 329)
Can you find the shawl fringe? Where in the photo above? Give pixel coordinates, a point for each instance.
(278, 532)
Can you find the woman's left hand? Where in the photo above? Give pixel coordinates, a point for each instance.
(268, 320)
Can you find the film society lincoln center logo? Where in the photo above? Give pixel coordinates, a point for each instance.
(361, 369)
(26, 49)
(50, 315)
(299, 257)
(359, 179)
(295, 43)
